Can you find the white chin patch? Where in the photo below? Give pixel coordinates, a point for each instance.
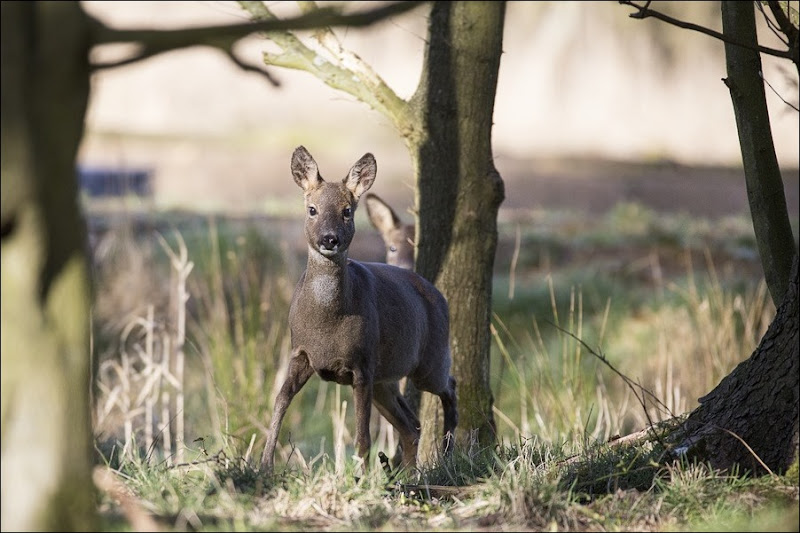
(329, 253)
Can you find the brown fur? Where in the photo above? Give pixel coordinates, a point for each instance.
(367, 325)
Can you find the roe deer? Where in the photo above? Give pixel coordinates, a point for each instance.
(362, 324)
(398, 237)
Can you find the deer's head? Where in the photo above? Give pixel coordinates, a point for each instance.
(331, 206)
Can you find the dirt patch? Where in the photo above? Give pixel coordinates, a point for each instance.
(596, 186)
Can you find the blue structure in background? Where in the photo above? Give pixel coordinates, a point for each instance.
(115, 182)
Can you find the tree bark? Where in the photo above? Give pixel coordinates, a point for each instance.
(758, 402)
(458, 196)
(750, 420)
(46, 429)
(776, 245)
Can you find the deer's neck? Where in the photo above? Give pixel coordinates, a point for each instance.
(326, 280)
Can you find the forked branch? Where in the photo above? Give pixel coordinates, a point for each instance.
(329, 61)
(644, 11)
(151, 42)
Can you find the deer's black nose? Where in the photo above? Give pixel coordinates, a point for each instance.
(329, 242)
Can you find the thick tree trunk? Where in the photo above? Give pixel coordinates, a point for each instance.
(776, 245)
(751, 417)
(46, 430)
(458, 196)
(758, 402)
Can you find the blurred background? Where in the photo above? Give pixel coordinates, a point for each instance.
(625, 219)
(577, 80)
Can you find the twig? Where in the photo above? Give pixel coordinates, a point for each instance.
(329, 61)
(630, 383)
(216, 458)
(740, 439)
(251, 68)
(182, 267)
(772, 25)
(760, 75)
(786, 26)
(152, 42)
(644, 12)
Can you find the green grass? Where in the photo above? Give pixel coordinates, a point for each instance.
(529, 485)
(669, 301)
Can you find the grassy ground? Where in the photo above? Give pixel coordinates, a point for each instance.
(674, 302)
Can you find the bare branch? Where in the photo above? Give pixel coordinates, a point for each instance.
(336, 66)
(777, 93)
(783, 22)
(644, 11)
(252, 68)
(772, 25)
(790, 30)
(154, 42)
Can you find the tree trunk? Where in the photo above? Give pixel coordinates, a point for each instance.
(751, 417)
(46, 429)
(458, 196)
(758, 402)
(776, 245)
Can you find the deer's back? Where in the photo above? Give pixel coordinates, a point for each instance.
(413, 323)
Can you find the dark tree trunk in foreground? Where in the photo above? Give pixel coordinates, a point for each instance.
(776, 245)
(46, 430)
(758, 402)
(458, 196)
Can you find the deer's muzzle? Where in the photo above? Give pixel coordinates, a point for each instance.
(329, 244)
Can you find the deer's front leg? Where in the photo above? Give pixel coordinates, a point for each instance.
(362, 397)
(296, 376)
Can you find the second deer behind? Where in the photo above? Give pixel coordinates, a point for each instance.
(397, 237)
(367, 325)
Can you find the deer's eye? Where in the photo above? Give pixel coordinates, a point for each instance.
(347, 212)
(312, 211)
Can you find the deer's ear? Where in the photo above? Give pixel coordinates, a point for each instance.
(380, 214)
(304, 169)
(361, 176)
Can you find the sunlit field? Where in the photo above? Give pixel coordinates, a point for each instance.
(602, 326)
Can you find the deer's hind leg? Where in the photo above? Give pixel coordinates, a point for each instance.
(445, 388)
(391, 404)
(450, 408)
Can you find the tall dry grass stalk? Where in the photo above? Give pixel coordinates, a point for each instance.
(137, 384)
(241, 308)
(181, 268)
(701, 340)
(556, 395)
(338, 415)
